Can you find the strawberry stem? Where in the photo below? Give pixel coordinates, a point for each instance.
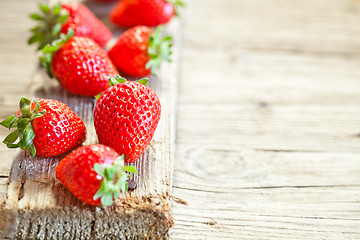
(114, 180)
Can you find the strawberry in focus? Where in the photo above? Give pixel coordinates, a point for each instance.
(45, 127)
(95, 174)
(130, 13)
(126, 116)
(139, 51)
(59, 18)
(79, 63)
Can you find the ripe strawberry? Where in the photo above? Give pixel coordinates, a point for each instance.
(105, 1)
(126, 116)
(94, 171)
(79, 63)
(139, 51)
(130, 13)
(58, 19)
(46, 127)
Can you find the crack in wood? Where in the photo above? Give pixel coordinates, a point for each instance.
(287, 150)
(269, 187)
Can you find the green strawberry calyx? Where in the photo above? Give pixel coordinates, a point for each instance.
(49, 50)
(177, 4)
(114, 180)
(159, 49)
(24, 130)
(50, 21)
(118, 79)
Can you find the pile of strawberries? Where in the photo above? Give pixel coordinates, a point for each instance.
(72, 40)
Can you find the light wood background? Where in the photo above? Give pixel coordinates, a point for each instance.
(268, 123)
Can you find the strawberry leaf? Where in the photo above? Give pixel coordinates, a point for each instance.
(25, 105)
(114, 180)
(27, 137)
(101, 191)
(159, 50)
(99, 169)
(50, 49)
(131, 169)
(11, 145)
(56, 10)
(50, 21)
(12, 137)
(116, 80)
(24, 132)
(144, 81)
(37, 115)
(109, 173)
(32, 150)
(44, 8)
(107, 199)
(7, 121)
(13, 123)
(22, 124)
(36, 16)
(98, 96)
(56, 29)
(37, 105)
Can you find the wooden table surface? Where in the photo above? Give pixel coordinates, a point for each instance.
(268, 123)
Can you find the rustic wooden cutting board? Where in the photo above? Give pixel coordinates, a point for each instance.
(37, 206)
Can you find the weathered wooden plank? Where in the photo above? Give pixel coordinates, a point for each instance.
(37, 206)
(269, 213)
(288, 128)
(280, 76)
(270, 77)
(309, 26)
(232, 170)
(264, 66)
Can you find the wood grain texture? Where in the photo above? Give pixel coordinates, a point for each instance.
(268, 129)
(268, 122)
(37, 206)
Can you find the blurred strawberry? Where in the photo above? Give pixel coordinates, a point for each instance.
(129, 13)
(139, 51)
(58, 19)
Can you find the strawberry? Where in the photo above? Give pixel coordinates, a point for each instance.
(95, 174)
(79, 63)
(130, 13)
(126, 116)
(46, 127)
(139, 51)
(59, 18)
(105, 1)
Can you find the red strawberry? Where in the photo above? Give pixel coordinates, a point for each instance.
(46, 127)
(130, 13)
(79, 63)
(105, 1)
(139, 51)
(126, 116)
(57, 19)
(94, 171)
